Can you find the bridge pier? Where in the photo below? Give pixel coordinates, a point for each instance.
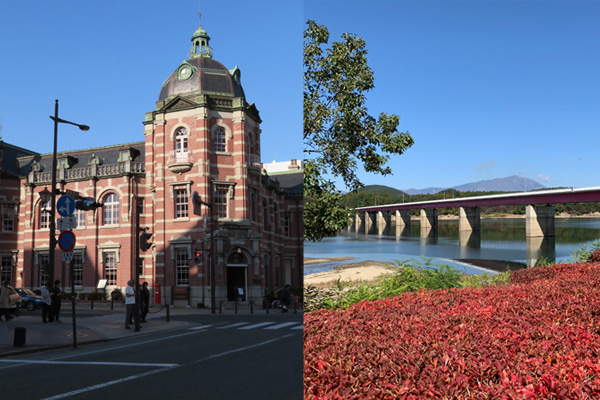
(469, 219)
(359, 221)
(369, 222)
(384, 222)
(539, 221)
(429, 218)
(402, 222)
(537, 246)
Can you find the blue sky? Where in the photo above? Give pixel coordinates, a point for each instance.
(105, 62)
(488, 89)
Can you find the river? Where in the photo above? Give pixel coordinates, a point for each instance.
(500, 239)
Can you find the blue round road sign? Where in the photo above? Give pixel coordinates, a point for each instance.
(66, 241)
(65, 206)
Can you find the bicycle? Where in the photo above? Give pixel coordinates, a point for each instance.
(278, 305)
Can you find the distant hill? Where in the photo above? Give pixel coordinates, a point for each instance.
(513, 183)
(381, 188)
(509, 184)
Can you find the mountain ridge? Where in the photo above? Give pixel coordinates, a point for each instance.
(512, 183)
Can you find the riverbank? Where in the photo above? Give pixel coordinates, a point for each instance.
(370, 271)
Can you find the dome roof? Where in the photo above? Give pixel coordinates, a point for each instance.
(202, 74)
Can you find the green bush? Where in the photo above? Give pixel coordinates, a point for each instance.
(581, 255)
(116, 295)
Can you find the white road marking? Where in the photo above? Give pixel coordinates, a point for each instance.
(156, 371)
(126, 364)
(282, 325)
(233, 325)
(257, 325)
(196, 328)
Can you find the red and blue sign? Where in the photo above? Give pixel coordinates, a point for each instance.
(66, 241)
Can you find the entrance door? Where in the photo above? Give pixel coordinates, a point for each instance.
(236, 283)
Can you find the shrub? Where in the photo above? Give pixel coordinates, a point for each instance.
(116, 295)
(537, 339)
(594, 257)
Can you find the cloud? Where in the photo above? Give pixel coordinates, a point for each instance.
(543, 178)
(485, 166)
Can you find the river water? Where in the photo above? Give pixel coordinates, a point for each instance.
(500, 239)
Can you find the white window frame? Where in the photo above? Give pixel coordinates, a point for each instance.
(110, 209)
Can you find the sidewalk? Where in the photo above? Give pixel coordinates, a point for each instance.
(95, 325)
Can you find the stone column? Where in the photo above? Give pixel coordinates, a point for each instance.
(368, 223)
(469, 219)
(358, 222)
(402, 222)
(429, 218)
(384, 222)
(539, 221)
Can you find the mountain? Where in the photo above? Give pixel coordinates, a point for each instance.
(513, 183)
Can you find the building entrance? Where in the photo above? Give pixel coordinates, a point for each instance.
(236, 283)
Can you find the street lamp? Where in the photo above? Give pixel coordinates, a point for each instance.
(52, 193)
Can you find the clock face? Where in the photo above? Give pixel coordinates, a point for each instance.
(185, 73)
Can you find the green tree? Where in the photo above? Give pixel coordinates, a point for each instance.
(339, 133)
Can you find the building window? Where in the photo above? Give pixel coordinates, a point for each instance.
(266, 215)
(287, 224)
(6, 268)
(111, 209)
(8, 218)
(182, 267)
(80, 218)
(45, 215)
(181, 140)
(77, 263)
(220, 139)
(181, 203)
(110, 268)
(44, 262)
(220, 201)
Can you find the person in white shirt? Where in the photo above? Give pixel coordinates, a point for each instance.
(46, 303)
(129, 302)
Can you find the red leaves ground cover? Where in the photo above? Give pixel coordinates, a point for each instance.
(538, 338)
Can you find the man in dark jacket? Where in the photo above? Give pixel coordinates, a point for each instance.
(144, 301)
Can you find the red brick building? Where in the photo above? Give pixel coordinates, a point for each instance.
(196, 182)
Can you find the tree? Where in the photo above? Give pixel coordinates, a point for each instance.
(339, 133)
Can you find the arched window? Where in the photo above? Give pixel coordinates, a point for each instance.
(220, 139)
(181, 140)
(111, 209)
(45, 215)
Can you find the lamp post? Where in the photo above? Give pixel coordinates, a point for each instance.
(53, 188)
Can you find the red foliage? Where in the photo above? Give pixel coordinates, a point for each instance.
(538, 338)
(594, 257)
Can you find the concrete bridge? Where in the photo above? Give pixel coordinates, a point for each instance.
(539, 216)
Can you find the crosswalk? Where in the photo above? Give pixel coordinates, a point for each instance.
(248, 326)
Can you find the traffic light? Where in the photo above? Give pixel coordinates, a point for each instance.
(87, 204)
(198, 257)
(144, 245)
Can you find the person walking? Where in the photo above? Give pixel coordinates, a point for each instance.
(144, 301)
(5, 301)
(55, 295)
(129, 303)
(46, 303)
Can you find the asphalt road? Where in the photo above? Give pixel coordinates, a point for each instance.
(214, 357)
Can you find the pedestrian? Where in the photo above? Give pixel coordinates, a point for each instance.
(46, 303)
(144, 301)
(5, 301)
(129, 303)
(55, 295)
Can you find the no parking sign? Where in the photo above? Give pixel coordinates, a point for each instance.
(66, 241)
